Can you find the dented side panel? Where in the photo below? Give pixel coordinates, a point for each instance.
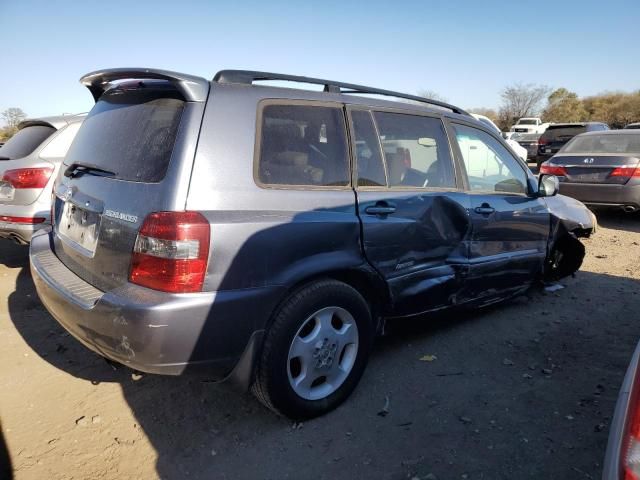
(421, 248)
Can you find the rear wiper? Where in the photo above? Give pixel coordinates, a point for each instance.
(79, 168)
(4, 158)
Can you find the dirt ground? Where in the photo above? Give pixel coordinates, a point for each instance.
(522, 390)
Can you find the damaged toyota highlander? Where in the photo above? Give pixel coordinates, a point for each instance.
(265, 234)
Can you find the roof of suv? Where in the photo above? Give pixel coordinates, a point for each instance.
(196, 88)
(56, 122)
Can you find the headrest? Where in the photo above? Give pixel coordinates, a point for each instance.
(291, 158)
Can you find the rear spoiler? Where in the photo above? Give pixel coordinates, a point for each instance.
(194, 89)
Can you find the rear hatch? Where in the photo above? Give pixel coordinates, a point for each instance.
(603, 168)
(132, 156)
(556, 136)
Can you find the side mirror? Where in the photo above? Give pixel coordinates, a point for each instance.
(548, 185)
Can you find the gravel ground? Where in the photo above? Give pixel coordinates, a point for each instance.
(521, 390)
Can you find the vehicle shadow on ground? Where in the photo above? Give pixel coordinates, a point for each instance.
(13, 255)
(203, 430)
(6, 470)
(616, 219)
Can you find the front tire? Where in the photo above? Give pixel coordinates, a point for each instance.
(315, 351)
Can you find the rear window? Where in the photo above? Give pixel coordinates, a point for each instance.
(527, 122)
(25, 141)
(565, 132)
(593, 144)
(130, 132)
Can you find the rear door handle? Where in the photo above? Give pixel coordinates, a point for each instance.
(485, 209)
(380, 208)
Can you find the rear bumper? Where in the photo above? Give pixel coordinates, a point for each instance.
(153, 331)
(22, 232)
(602, 194)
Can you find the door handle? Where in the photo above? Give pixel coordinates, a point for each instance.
(380, 208)
(485, 209)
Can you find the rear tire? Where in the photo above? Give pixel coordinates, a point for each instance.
(315, 351)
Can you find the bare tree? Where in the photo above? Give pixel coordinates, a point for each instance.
(521, 100)
(13, 116)
(432, 95)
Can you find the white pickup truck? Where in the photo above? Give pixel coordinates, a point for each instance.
(529, 125)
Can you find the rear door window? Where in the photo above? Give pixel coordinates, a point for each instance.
(131, 132)
(490, 167)
(25, 141)
(416, 151)
(303, 145)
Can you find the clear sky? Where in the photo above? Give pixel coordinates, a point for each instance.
(464, 50)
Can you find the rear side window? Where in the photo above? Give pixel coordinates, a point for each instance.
(59, 145)
(131, 132)
(303, 145)
(25, 141)
(416, 150)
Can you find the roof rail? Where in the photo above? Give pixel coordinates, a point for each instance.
(194, 89)
(247, 77)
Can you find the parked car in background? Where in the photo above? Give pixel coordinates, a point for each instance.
(622, 459)
(600, 168)
(529, 125)
(30, 134)
(558, 134)
(633, 126)
(528, 141)
(26, 182)
(515, 146)
(233, 227)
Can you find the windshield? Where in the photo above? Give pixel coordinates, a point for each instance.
(527, 121)
(131, 132)
(25, 141)
(594, 144)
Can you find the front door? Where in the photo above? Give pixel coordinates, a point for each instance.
(510, 223)
(414, 217)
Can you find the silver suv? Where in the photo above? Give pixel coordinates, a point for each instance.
(265, 234)
(29, 163)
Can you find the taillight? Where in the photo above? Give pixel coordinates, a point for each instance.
(542, 141)
(25, 220)
(171, 252)
(625, 172)
(28, 177)
(546, 169)
(630, 461)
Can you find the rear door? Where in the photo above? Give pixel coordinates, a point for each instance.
(414, 217)
(132, 156)
(510, 226)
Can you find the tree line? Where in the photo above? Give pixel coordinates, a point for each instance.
(12, 118)
(617, 109)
